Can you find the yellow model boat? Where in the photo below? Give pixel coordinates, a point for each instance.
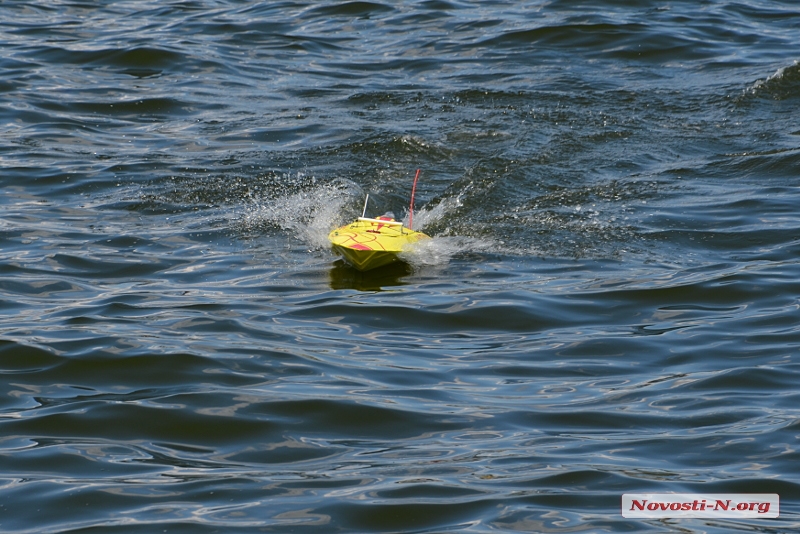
(370, 243)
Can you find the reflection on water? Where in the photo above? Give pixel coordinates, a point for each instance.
(343, 276)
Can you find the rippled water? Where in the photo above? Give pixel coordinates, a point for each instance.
(609, 304)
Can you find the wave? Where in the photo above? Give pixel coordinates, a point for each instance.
(783, 84)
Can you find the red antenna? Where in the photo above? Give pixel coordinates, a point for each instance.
(411, 208)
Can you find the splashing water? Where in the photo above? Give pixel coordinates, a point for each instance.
(308, 215)
(311, 214)
(439, 250)
(426, 217)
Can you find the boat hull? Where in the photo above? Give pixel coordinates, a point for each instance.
(368, 244)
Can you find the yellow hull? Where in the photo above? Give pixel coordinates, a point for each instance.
(371, 243)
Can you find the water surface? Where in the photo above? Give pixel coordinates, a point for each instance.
(609, 303)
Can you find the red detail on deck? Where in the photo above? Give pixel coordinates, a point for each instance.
(359, 246)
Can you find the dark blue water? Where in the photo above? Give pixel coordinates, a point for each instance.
(609, 303)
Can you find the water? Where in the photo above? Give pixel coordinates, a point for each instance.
(609, 303)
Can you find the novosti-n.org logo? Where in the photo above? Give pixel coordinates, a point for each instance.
(728, 505)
